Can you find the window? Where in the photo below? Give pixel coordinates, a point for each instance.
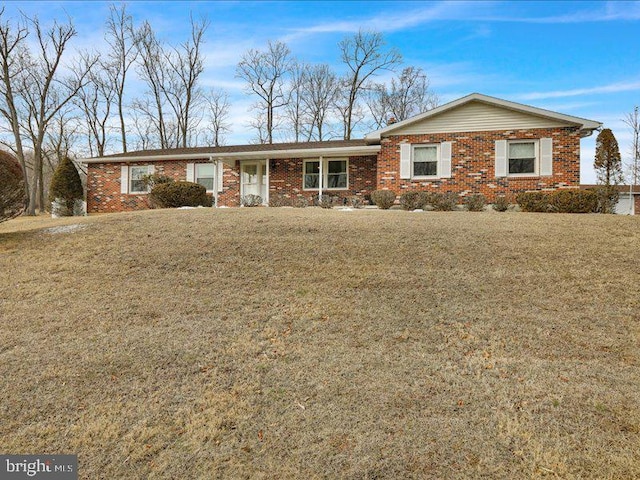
(335, 174)
(204, 175)
(523, 156)
(137, 182)
(424, 161)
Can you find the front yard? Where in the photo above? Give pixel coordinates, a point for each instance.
(309, 343)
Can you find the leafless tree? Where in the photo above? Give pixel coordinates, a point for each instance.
(265, 73)
(171, 75)
(182, 90)
(633, 122)
(95, 100)
(320, 92)
(405, 97)
(14, 58)
(121, 38)
(34, 89)
(217, 114)
(296, 114)
(152, 71)
(365, 55)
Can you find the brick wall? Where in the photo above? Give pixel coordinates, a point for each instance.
(472, 163)
(636, 206)
(103, 186)
(285, 178)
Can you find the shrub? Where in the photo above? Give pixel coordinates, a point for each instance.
(13, 198)
(475, 203)
(501, 204)
(413, 200)
(251, 200)
(279, 200)
(534, 201)
(154, 179)
(300, 202)
(384, 199)
(574, 201)
(327, 201)
(354, 202)
(607, 198)
(444, 202)
(179, 194)
(66, 190)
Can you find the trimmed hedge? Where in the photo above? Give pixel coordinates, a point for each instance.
(413, 200)
(13, 198)
(179, 194)
(66, 187)
(475, 203)
(384, 199)
(559, 201)
(501, 204)
(444, 202)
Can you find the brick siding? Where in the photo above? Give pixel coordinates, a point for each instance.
(472, 169)
(473, 163)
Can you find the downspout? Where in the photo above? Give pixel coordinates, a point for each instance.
(320, 179)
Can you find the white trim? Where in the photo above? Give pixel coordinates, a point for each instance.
(546, 157)
(196, 166)
(323, 173)
(231, 157)
(536, 163)
(130, 191)
(268, 167)
(124, 179)
(424, 145)
(191, 175)
(405, 161)
(587, 126)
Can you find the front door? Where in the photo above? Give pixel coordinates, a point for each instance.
(254, 179)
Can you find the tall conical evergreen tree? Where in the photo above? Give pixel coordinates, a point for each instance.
(66, 186)
(608, 162)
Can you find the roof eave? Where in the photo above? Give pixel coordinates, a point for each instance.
(231, 157)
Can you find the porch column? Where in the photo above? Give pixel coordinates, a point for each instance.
(267, 165)
(216, 180)
(320, 179)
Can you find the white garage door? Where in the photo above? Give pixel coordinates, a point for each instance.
(625, 204)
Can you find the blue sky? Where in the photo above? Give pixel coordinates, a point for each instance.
(579, 58)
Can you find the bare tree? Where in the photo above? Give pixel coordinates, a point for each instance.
(217, 114)
(408, 95)
(181, 89)
(364, 55)
(633, 121)
(14, 58)
(152, 71)
(321, 89)
(95, 100)
(265, 73)
(34, 91)
(295, 108)
(121, 38)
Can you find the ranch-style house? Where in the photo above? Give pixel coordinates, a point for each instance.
(476, 144)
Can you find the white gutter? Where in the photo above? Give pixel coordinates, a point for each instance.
(231, 157)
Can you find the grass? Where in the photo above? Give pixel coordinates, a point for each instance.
(288, 343)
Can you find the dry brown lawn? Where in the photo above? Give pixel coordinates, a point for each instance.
(286, 343)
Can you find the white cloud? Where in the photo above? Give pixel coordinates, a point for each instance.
(611, 88)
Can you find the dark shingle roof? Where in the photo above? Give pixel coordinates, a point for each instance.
(258, 147)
